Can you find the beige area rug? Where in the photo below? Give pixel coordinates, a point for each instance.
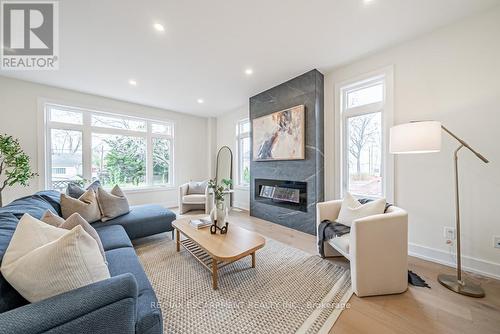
(289, 291)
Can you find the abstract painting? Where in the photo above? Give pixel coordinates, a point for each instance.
(280, 135)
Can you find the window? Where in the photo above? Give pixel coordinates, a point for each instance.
(243, 142)
(84, 145)
(365, 116)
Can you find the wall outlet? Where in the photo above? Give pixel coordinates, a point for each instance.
(496, 242)
(449, 233)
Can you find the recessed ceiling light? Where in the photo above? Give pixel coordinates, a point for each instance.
(200, 101)
(367, 2)
(248, 71)
(159, 27)
(132, 82)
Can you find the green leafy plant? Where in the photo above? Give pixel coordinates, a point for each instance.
(227, 183)
(217, 190)
(14, 164)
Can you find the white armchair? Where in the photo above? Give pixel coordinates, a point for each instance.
(377, 249)
(194, 201)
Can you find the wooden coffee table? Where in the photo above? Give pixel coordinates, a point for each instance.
(215, 251)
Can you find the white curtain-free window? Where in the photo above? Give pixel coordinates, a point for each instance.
(86, 145)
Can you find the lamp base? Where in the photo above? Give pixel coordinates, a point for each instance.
(463, 287)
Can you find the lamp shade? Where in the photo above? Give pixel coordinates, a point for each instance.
(415, 137)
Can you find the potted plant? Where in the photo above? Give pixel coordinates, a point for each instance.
(14, 164)
(218, 214)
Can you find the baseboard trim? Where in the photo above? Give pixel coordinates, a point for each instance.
(474, 265)
(241, 205)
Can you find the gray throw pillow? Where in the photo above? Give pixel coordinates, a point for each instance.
(197, 188)
(86, 205)
(112, 204)
(74, 220)
(75, 191)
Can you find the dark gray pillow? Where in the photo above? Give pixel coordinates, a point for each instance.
(197, 188)
(75, 191)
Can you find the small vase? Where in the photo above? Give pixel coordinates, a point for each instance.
(221, 214)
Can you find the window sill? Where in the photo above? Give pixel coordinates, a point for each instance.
(148, 189)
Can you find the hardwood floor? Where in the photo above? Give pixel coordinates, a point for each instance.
(418, 310)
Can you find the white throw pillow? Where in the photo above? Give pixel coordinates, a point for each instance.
(352, 210)
(42, 261)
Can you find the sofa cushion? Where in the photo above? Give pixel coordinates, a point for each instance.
(193, 199)
(112, 204)
(341, 244)
(9, 297)
(74, 220)
(53, 197)
(75, 191)
(113, 237)
(143, 220)
(86, 205)
(42, 261)
(34, 205)
(124, 260)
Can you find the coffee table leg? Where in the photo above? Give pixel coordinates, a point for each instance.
(178, 240)
(214, 274)
(253, 260)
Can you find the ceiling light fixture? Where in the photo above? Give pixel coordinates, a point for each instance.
(368, 2)
(132, 82)
(200, 101)
(159, 27)
(248, 71)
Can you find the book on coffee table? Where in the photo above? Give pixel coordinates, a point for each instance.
(201, 222)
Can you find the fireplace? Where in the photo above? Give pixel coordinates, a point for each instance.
(282, 193)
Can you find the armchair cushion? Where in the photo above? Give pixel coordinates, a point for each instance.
(195, 188)
(352, 209)
(341, 244)
(194, 199)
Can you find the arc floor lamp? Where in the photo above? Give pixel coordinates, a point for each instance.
(425, 137)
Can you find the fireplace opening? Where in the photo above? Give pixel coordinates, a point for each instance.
(282, 193)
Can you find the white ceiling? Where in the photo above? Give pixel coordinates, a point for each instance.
(207, 45)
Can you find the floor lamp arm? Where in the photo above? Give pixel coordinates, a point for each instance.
(479, 155)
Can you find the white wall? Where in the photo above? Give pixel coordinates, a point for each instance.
(18, 117)
(226, 136)
(451, 75)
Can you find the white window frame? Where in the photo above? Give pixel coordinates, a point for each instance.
(342, 113)
(239, 139)
(46, 125)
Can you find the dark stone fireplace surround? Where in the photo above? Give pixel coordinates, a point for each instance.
(307, 90)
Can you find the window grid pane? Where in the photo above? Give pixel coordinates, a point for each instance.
(364, 154)
(118, 159)
(161, 161)
(122, 123)
(66, 158)
(65, 116)
(366, 95)
(159, 128)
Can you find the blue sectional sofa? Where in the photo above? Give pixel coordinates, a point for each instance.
(124, 303)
